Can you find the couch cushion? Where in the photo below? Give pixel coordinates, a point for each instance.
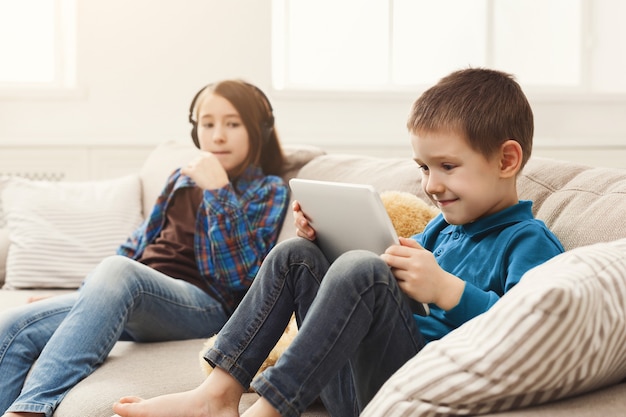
(607, 402)
(558, 333)
(143, 369)
(146, 370)
(59, 231)
(580, 204)
(385, 174)
(13, 298)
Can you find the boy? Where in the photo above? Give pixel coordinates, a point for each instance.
(471, 135)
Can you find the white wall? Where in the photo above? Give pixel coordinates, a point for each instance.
(140, 62)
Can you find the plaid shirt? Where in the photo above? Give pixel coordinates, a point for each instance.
(236, 227)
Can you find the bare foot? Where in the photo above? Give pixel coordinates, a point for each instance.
(217, 396)
(181, 404)
(35, 298)
(24, 415)
(261, 408)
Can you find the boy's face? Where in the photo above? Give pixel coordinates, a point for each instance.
(222, 132)
(460, 181)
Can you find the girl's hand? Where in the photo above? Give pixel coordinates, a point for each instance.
(420, 276)
(206, 171)
(303, 227)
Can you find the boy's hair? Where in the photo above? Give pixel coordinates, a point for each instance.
(488, 107)
(257, 116)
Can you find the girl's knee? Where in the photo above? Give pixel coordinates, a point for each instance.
(10, 320)
(114, 272)
(115, 264)
(32, 321)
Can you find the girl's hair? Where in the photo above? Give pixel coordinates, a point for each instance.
(486, 106)
(257, 116)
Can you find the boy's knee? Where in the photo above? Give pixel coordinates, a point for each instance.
(296, 249)
(361, 262)
(356, 268)
(294, 244)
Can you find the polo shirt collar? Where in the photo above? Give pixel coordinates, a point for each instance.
(520, 212)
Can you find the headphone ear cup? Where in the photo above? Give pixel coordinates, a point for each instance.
(267, 128)
(266, 132)
(194, 134)
(194, 124)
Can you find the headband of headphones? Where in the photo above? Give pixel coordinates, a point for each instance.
(267, 126)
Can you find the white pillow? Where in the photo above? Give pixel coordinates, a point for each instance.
(560, 332)
(59, 231)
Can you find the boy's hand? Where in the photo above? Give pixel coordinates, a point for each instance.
(303, 227)
(206, 171)
(420, 276)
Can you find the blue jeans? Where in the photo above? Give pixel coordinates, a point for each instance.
(63, 339)
(355, 330)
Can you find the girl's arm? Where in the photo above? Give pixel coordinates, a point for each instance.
(147, 230)
(240, 230)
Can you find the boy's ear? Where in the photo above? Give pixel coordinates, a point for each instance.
(510, 158)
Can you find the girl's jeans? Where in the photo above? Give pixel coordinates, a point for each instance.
(355, 330)
(65, 338)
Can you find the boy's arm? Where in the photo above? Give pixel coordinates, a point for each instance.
(525, 251)
(420, 276)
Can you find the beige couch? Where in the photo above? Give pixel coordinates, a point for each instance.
(582, 205)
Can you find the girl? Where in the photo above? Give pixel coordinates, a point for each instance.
(180, 275)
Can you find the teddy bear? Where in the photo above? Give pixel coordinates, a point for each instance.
(409, 215)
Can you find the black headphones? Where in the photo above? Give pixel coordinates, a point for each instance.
(267, 126)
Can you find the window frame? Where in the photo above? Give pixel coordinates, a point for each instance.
(65, 81)
(583, 92)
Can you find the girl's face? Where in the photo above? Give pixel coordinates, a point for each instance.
(461, 182)
(222, 132)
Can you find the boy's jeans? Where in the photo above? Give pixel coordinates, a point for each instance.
(70, 335)
(355, 329)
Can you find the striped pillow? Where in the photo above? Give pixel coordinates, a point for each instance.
(560, 332)
(59, 231)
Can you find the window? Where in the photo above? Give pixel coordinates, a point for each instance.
(394, 45)
(37, 44)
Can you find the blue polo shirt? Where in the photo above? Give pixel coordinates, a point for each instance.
(490, 255)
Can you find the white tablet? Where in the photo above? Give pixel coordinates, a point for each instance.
(345, 217)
